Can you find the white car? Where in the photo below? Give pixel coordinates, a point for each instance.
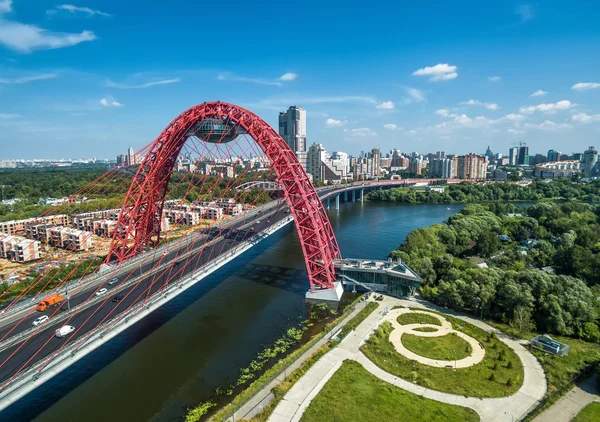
(165, 253)
(40, 320)
(113, 281)
(102, 291)
(64, 330)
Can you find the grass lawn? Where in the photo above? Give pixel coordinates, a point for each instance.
(355, 395)
(499, 374)
(417, 318)
(591, 413)
(561, 370)
(449, 347)
(425, 329)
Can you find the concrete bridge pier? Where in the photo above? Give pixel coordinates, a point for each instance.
(337, 201)
(346, 196)
(354, 195)
(362, 194)
(330, 296)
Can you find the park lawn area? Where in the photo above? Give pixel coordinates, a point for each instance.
(417, 318)
(355, 395)
(425, 329)
(561, 370)
(499, 374)
(449, 347)
(590, 413)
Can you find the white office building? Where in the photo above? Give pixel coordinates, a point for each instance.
(292, 128)
(325, 167)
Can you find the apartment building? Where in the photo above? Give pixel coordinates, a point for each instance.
(18, 249)
(20, 226)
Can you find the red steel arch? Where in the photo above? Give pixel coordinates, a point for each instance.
(140, 216)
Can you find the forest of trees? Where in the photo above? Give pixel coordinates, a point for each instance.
(470, 193)
(28, 186)
(514, 288)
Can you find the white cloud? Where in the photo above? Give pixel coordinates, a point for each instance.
(86, 10)
(513, 117)
(489, 106)
(5, 6)
(27, 38)
(514, 131)
(439, 72)
(111, 84)
(585, 118)
(110, 102)
(26, 79)
(585, 86)
(260, 81)
(538, 93)
(387, 105)
(525, 11)
(390, 126)
(494, 78)
(416, 95)
(443, 112)
(288, 76)
(335, 123)
(9, 115)
(548, 108)
(361, 132)
(548, 125)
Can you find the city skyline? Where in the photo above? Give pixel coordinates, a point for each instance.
(455, 78)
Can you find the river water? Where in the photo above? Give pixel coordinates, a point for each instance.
(175, 357)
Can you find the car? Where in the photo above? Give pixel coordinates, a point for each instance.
(165, 253)
(102, 291)
(113, 281)
(230, 241)
(380, 297)
(64, 330)
(258, 222)
(118, 298)
(40, 320)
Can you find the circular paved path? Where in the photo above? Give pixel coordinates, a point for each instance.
(476, 356)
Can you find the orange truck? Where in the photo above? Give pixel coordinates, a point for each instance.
(48, 302)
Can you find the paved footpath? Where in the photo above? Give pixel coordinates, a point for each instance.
(505, 409)
(565, 409)
(477, 351)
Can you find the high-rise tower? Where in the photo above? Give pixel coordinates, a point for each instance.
(292, 128)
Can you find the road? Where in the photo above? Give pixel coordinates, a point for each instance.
(43, 343)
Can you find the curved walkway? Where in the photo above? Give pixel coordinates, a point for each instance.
(477, 353)
(505, 409)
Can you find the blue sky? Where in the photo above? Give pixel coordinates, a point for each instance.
(90, 78)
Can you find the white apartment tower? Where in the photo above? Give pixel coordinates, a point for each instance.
(292, 128)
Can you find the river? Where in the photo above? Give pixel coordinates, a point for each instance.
(175, 357)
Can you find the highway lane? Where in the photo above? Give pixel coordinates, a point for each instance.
(28, 354)
(23, 320)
